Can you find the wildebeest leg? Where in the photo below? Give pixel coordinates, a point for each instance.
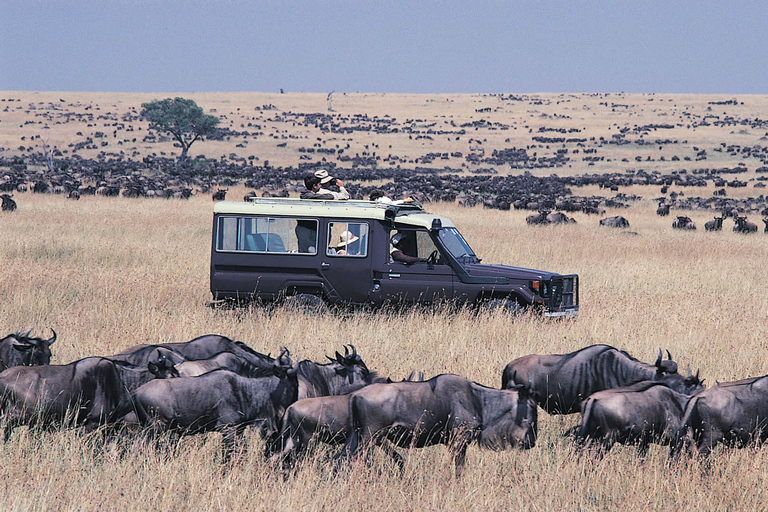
(390, 450)
(459, 452)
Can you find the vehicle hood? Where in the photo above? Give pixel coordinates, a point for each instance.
(516, 273)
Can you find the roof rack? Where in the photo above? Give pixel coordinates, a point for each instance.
(341, 203)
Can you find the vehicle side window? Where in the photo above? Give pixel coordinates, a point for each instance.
(267, 234)
(415, 243)
(347, 239)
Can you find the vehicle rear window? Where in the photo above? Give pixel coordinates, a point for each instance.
(267, 234)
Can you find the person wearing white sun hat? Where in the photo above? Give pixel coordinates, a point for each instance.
(347, 245)
(326, 180)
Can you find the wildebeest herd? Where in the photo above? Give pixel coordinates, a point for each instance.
(214, 384)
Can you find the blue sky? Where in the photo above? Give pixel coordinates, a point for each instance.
(714, 47)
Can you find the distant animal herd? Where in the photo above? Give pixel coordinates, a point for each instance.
(214, 384)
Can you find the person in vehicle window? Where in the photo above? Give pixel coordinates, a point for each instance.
(398, 254)
(312, 183)
(326, 181)
(348, 245)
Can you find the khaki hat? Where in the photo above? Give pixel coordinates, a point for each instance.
(323, 175)
(346, 238)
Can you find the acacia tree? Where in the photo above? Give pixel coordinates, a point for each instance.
(182, 118)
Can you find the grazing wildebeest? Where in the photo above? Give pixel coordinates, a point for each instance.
(90, 392)
(22, 350)
(639, 414)
(663, 209)
(714, 225)
(342, 375)
(742, 225)
(220, 401)
(683, 222)
(8, 204)
(731, 413)
(615, 222)
(560, 382)
(202, 347)
(220, 194)
(447, 409)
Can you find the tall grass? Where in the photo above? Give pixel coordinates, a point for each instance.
(110, 273)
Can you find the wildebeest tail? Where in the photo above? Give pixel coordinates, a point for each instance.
(585, 429)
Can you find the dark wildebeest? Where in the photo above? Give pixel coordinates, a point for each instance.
(220, 194)
(560, 382)
(765, 221)
(560, 218)
(447, 409)
(342, 375)
(90, 392)
(323, 419)
(731, 413)
(714, 225)
(23, 350)
(682, 222)
(639, 414)
(223, 361)
(203, 347)
(615, 222)
(540, 219)
(663, 209)
(8, 204)
(742, 225)
(220, 401)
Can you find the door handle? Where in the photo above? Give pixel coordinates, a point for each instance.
(392, 276)
(325, 266)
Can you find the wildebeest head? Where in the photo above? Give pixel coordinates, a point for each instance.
(283, 366)
(693, 385)
(162, 367)
(668, 366)
(349, 364)
(23, 350)
(516, 429)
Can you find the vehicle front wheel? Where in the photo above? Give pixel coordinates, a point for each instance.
(305, 303)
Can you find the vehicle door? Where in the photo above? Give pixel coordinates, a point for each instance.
(418, 282)
(346, 262)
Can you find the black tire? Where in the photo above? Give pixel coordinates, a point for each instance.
(506, 306)
(305, 303)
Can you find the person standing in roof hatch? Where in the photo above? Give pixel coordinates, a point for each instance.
(326, 180)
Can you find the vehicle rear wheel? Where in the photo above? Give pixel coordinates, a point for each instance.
(305, 303)
(507, 306)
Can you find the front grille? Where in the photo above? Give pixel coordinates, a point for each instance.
(565, 293)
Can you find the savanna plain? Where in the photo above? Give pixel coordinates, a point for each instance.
(110, 272)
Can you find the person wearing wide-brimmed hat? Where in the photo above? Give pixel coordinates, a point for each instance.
(326, 180)
(312, 183)
(346, 244)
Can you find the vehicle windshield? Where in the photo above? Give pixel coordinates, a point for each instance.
(457, 246)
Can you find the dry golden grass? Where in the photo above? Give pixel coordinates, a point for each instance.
(110, 273)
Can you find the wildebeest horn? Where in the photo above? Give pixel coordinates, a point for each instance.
(669, 356)
(346, 350)
(354, 351)
(52, 339)
(658, 359)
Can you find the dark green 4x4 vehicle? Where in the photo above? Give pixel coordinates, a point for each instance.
(340, 252)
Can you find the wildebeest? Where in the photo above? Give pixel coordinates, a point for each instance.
(224, 361)
(202, 347)
(560, 218)
(615, 222)
(683, 222)
(639, 414)
(765, 221)
(714, 225)
(742, 225)
(663, 209)
(731, 413)
(538, 219)
(220, 194)
(314, 420)
(23, 350)
(342, 375)
(560, 382)
(447, 409)
(89, 392)
(8, 204)
(220, 401)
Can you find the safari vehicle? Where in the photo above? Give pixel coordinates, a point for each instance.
(339, 252)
